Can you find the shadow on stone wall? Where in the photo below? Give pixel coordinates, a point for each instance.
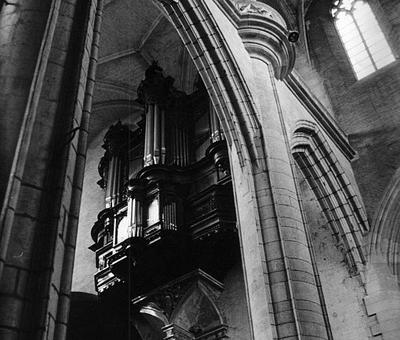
(84, 317)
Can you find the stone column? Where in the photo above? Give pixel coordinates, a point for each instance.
(50, 50)
(295, 298)
(22, 25)
(281, 290)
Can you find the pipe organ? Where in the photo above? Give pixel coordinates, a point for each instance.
(168, 195)
(113, 167)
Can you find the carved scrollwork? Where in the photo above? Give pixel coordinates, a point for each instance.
(250, 8)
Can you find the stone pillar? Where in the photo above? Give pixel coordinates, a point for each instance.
(50, 50)
(22, 25)
(295, 298)
(234, 45)
(294, 294)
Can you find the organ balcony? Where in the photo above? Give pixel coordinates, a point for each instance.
(168, 193)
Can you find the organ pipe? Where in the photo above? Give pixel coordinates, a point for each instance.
(136, 198)
(114, 165)
(160, 101)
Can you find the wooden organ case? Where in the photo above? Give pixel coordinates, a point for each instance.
(169, 206)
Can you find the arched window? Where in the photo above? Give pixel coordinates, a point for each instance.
(362, 37)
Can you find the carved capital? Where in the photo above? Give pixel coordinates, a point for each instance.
(252, 7)
(269, 42)
(265, 35)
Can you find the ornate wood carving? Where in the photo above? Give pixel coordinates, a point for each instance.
(113, 167)
(154, 229)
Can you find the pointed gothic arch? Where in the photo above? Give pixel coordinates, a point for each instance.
(206, 319)
(219, 69)
(334, 191)
(385, 231)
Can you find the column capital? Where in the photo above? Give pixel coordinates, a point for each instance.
(265, 35)
(264, 32)
(252, 7)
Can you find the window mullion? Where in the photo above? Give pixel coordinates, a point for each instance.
(363, 41)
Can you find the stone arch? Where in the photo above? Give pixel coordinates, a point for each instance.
(198, 313)
(221, 73)
(383, 269)
(334, 191)
(224, 65)
(183, 309)
(150, 321)
(385, 231)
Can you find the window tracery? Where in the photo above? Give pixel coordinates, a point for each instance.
(362, 37)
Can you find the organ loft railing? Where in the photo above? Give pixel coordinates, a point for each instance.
(168, 196)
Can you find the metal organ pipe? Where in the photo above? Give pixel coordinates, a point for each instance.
(163, 147)
(115, 175)
(149, 136)
(116, 146)
(157, 135)
(136, 194)
(180, 147)
(155, 148)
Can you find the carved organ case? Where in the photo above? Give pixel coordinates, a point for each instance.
(169, 206)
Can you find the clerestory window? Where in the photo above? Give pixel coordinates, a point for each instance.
(361, 36)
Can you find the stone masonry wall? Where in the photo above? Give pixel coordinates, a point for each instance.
(41, 207)
(343, 292)
(367, 109)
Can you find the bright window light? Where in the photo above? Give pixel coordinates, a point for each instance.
(361, 36)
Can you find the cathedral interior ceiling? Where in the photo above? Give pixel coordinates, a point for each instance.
(134, 34)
